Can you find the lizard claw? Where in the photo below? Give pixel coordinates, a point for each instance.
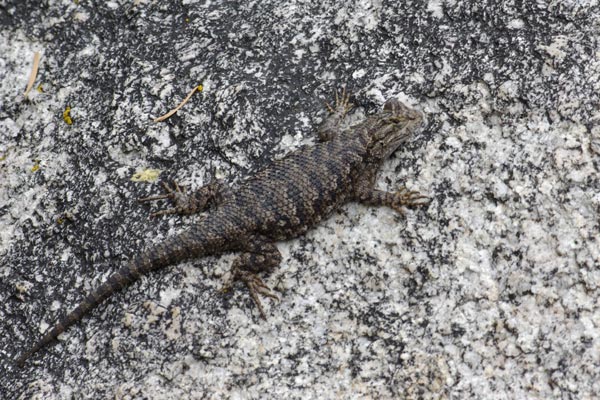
(410, 198)
(184, 204)
(342, 103)
(329, 108)
(170, 193)
(255, 286)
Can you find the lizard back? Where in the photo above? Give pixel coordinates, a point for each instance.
(294, 193)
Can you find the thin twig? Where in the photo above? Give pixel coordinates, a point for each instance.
(173, 111)
(34, 70)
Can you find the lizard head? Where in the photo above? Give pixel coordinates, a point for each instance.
(392, 127)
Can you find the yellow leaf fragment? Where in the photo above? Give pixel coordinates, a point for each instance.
(36, 166)
(173, 111)
(147, 175)
(34, 70)
(67, 115)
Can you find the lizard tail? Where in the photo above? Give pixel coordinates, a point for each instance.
(115, 282)
(171, 251)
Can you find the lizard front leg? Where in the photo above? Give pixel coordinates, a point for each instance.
(259, 255)
(365, 193)
(396, 200)
(188, 204)
(332, 124)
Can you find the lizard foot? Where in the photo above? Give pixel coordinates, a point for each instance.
(342, 103)
(408, 198)
(184, 204)
(255, 286)
(331, 126)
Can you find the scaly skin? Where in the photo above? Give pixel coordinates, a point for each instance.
(281, 202)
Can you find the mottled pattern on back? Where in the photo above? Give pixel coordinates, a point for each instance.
(293, 194)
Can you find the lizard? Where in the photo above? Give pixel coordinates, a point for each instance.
(280, 202)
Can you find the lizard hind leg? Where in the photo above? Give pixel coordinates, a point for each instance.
(259, 256)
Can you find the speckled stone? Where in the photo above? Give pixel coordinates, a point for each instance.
(491, 292)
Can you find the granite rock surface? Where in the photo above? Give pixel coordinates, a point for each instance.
(490, 292)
